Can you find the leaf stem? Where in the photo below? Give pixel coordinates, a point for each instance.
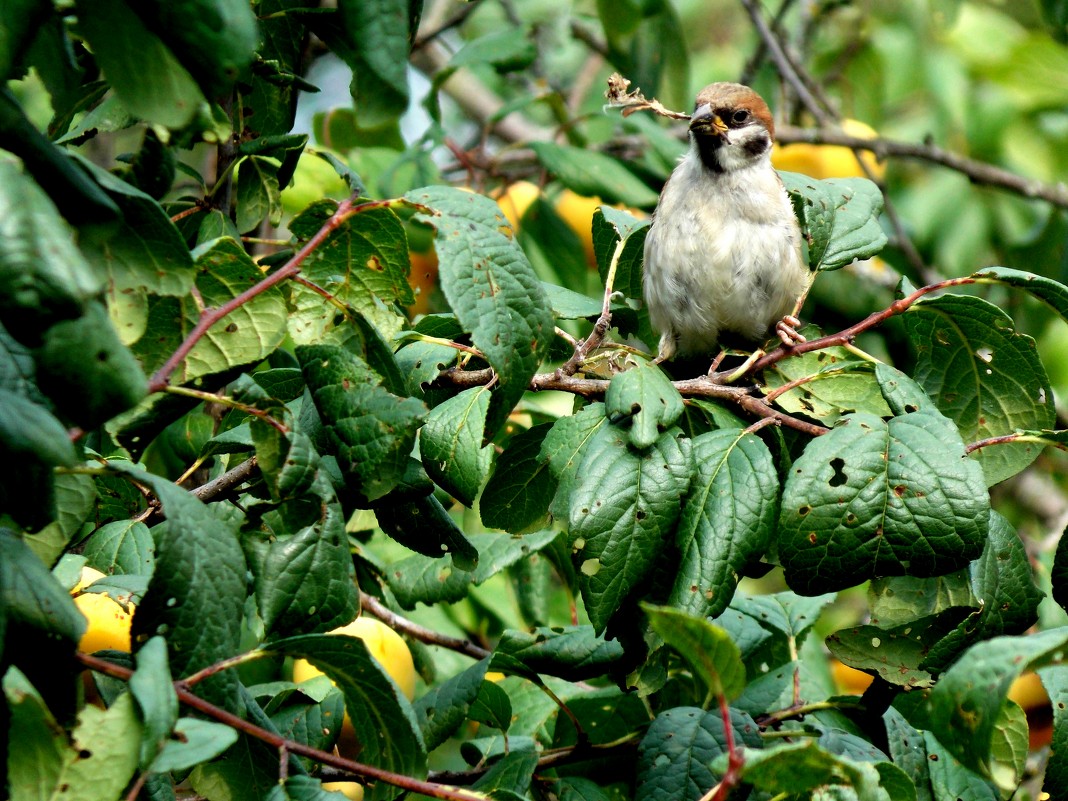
(365, 772)
(223, 400)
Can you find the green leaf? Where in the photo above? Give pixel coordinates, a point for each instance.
(572, 651)
(43, 276)
(678, 749)
(506, 50)
(519, 492)
(144, 73)
(839, 216)
(302, 568)
(151, 686)
(258, 195)
(564, 447)
(491, 287)
(196, 596)
(315, 723)
(610, 226)
(31, 597)
(364, 263)
(451, 444)
(509, 778)
(370, 430)
(839, 385)
(708, 649)
(412, 516)
(492, 707)
(441, 711)
(247, 335)
(1007, 596)
(383, 719)
(147, 252)
(86, 371)
(197, 742)
(645, 396)
(983, 375)
(806, 766)
(29, 431)
(727, 519)
(75, 497)
(623, 508)
(418, 579)
(37, 745)
(214, 39)
(1055, 681)
(881, 498)
(122, 546)
(965, 704)
(378, 31)
(590, 173)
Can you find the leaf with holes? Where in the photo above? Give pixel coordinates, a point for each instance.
(727, 519)
(623, 508)
(840, 218)
(881, 498)
(983, 375)
(645, 397)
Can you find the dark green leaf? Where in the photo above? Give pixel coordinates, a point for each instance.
(490, 286)
(151, 686)
(144, 73)
(517, 497)
(564, 447)
(623, 508)
(451, 444)
(677, 751)
(877, 498)
(510, 774)
(313, 723)
(214, 39)
(43, 276)
(574, 651)
(507, 50)
(418, 579)
(381, 716)
(645, 396)
(705, 646)
(370, 430)
(590, 173)
(86, 371)
(197, 594)
(196, 742)
(1055, 681)
(1051, 292)
(983, 375)
(37, 745)
(805, 766)
(258, 195)
(840, 217)
(951, 779)
(378, 32)
(610, 226)
(416, 519)
(441, 711)
(965, 704)
(303, 572)
(727, 518)
(492, 707)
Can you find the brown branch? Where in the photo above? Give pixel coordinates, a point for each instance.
(414, 630)
(977, 171)
(365, 772)
(846, 335)
(212, 316)
(228, 481)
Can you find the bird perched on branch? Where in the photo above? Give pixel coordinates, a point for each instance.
(723, 256)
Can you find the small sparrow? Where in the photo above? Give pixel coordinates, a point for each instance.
(723, 255)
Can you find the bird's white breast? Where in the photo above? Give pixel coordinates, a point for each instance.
(723, 255)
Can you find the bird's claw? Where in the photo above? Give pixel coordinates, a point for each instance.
(786, 328)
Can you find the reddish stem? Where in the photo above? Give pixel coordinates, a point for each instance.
(277, 741)
(733, 775)
(291, 268)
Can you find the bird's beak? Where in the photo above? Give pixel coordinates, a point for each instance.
(706, 121)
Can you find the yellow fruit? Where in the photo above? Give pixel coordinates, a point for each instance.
(849, 681)
(351, 790)
(577, 211)
(829, 161)
(516, 199)
(89, 575)
(1028, 692)
(109, 623)
(383, 643)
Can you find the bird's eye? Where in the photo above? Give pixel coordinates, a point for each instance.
(740, 117)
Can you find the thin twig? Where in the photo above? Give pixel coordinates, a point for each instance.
(414, 630)
(365, 772)
(228, 481)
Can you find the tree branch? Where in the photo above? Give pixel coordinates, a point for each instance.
(414, 630)
(365, 772)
